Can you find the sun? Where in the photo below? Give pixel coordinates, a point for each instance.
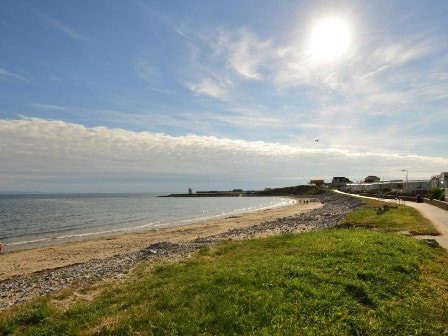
(330, 39)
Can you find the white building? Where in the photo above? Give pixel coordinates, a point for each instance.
(417, 187)
(397, 186)
(359, 187)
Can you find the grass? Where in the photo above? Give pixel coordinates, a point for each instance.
(338, 282)
(355, 281)
(401, 218)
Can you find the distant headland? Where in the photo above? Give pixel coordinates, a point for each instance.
(300, 190)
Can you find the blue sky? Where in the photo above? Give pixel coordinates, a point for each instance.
(164, 95)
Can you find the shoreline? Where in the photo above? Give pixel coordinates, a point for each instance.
(46, 257)
(99, 260)
(15, 246)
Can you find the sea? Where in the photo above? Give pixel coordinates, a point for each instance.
(28, 221)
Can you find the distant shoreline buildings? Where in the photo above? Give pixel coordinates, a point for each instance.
(370, 185)
(373, 184)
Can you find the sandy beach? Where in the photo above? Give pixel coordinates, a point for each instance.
(27, 274)
(26, 262)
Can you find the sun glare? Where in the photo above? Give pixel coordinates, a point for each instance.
(330, 39)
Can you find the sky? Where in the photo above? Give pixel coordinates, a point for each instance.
(151, 96)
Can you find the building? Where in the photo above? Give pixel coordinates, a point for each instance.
(359, 187)
(412, 187)
(371, 179)
(339, 181)
(396, 186)
(435, 181)
(418, 187)
(317, 182)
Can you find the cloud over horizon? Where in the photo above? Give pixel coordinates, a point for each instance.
(35, 148)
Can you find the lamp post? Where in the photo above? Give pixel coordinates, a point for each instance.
(405, 170)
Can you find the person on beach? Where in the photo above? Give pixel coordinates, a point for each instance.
(1, 246)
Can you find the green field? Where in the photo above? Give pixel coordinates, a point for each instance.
(337, 282)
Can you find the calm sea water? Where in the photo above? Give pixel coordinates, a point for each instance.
(36, 220)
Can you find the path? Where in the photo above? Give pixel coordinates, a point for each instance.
(437, 216)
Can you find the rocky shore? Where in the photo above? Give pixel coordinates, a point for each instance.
(22, 289)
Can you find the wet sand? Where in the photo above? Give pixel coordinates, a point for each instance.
(26, 262)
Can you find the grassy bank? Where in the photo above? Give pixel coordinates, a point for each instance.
(335, 282)
(397, 219)
(327, 283)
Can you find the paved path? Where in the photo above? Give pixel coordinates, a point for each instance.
(437, 216)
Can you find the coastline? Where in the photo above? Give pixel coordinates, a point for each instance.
(31, 273)
(25, 262)
(132, 220)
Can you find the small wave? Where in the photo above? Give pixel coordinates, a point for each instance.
(28, 242)
(283, 202)
(80, 235)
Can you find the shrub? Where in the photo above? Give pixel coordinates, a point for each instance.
(435, 193)
(442, 196)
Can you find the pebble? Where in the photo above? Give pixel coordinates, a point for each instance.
(23, 289)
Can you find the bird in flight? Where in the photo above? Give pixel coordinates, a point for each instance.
(317, 140)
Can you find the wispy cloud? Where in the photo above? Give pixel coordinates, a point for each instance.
(70, 32)
(366, 73)
(48, 107)
(245, 54)
(221, 58)
(322, 126)
(5, 75)
(210, 87)
(362, 101)
(152, 76)
(177, 28)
